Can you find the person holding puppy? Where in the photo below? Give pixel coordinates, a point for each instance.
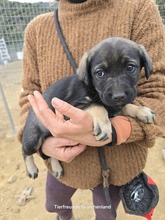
(85, 23)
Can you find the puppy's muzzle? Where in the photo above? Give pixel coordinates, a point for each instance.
(118, 97)
(115, 98)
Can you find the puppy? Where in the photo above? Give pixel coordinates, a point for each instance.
(105, 85)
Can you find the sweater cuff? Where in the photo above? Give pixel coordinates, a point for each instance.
(114, 137)
(123, 128)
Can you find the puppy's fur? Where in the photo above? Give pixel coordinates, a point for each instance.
(105, 85)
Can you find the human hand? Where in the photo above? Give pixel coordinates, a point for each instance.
(78, 128)
(62, 149)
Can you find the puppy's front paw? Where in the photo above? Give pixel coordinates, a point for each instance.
(145, 114)
(102, 129)
(56, 168)
(102, 126)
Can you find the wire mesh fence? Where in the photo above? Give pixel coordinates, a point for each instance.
(14, 17)
(162, 11)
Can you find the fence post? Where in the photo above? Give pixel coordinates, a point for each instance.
(7, 110)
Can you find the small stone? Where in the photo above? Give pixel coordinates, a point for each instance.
(17, 210)
(17, 167)
(12, 179)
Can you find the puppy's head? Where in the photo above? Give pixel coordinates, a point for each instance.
(112, 68)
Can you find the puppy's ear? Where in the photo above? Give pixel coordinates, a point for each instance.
(82, 70)
(146, 61)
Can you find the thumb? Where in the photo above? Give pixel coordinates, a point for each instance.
(74, 151)
(67, 109)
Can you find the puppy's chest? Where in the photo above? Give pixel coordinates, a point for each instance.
(89, 101)
(112, 111)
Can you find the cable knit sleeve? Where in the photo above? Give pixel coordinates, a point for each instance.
(30, 80)
(148, 30)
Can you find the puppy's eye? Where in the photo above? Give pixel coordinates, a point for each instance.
(100, 73)
(131, 68)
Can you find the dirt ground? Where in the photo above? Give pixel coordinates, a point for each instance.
(13, 179)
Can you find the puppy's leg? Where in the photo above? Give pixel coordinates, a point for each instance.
(143, 113)
(56, 167)
(31, 168)
(102, 125)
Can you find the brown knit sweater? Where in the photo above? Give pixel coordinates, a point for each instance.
(83, 26)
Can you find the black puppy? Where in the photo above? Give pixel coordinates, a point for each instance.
(105, 85)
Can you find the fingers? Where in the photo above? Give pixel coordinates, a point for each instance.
(68, 110)
(59, 114)
(37, 102)
(43, 112)
(71, 152)
(62, 149)
(59, 142)
(80, 122)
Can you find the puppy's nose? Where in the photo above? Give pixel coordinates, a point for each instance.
(118, 97)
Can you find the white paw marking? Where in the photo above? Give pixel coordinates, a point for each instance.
(145, 114)
(56, 168)
(31, 168)
(102, 129)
